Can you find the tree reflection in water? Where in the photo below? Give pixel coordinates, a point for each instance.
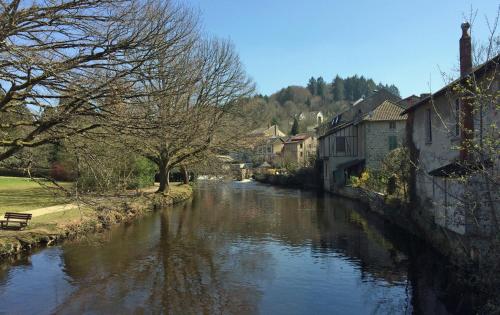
(243, 249)
(181, 270)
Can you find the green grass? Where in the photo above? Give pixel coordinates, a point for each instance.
(179, 192)
(19, 194)
(52, 220)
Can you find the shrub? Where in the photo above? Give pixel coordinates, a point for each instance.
(143, 173)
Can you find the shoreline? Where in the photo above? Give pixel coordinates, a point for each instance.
(113, 211)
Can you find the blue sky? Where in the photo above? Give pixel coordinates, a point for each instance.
(285, 42)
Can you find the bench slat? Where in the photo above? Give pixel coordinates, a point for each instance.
(13, 215)
(20, 219)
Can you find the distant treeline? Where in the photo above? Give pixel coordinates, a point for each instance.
(350, 88)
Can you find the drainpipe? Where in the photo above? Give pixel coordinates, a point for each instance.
(467, 132)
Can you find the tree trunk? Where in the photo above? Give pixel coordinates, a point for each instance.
(164, 178)
(185, 174)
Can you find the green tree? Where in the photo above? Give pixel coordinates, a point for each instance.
(320, 87)
(295, 127)
(312, 86)
(338, 89)
(274, 121)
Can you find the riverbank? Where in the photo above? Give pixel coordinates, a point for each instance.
(306, 178)
(92, 216)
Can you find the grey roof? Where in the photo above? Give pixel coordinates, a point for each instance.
(367, 105)
(361, 109)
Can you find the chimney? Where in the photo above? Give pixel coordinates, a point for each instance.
(465, 51)
(467, 133)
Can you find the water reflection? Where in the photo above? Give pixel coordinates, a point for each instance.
(235, 249)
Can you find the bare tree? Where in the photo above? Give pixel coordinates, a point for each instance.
(62, 62)
(188, 97)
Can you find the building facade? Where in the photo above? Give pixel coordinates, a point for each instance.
(449, 176)
(360, 138)
(299, 150)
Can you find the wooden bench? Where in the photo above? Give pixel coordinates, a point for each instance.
(15, 221)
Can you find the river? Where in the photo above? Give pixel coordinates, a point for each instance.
(236, 248)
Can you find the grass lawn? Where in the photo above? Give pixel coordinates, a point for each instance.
(21, 194)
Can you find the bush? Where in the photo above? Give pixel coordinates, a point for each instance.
(143, 174)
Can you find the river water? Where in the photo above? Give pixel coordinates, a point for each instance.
(236, 248)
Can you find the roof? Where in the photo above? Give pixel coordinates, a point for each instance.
(275, 139)
(365, 107)
(265, 165)
(478, 71)
(459, 168)
(385, 111)
(410, 100)
(263, 131)
(297, 138)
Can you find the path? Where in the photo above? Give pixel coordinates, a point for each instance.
(42, 211)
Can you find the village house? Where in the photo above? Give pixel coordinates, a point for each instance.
(269, 143)
(315, 117)
(360, 138)
(440, 127)
(299, 150)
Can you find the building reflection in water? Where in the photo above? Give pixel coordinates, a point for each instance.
(244, 249)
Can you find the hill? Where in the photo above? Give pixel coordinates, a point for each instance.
(287, 104)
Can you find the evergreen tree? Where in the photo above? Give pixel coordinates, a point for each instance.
(394, 90)
(348, 89)
(338, 89)
(371, 86)
(320, 87)
(391, 88)
(312, 86)
(274, 121)
(295, 127)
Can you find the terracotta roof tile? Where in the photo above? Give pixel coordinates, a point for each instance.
(386, 111)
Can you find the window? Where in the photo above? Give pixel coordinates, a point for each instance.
(393, 142)
(269, 149)
(392, 125)
(457, 117)
(428, 126)
(300, 146)
(340, 144)
(301, 154)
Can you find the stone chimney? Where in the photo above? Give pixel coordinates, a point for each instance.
(465, 51)
(466, 107)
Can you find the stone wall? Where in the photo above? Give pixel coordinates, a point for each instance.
(376, 135)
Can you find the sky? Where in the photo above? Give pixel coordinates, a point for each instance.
(401, 42)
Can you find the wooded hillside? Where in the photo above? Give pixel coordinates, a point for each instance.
(331, 98)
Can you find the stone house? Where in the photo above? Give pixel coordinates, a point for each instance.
(267, 143)
(360, 138)
(269, 149)
(299, 149)
(439, 128)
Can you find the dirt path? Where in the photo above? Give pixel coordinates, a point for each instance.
(41, 211)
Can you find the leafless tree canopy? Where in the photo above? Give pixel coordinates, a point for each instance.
(63, 63)
(185, 101)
